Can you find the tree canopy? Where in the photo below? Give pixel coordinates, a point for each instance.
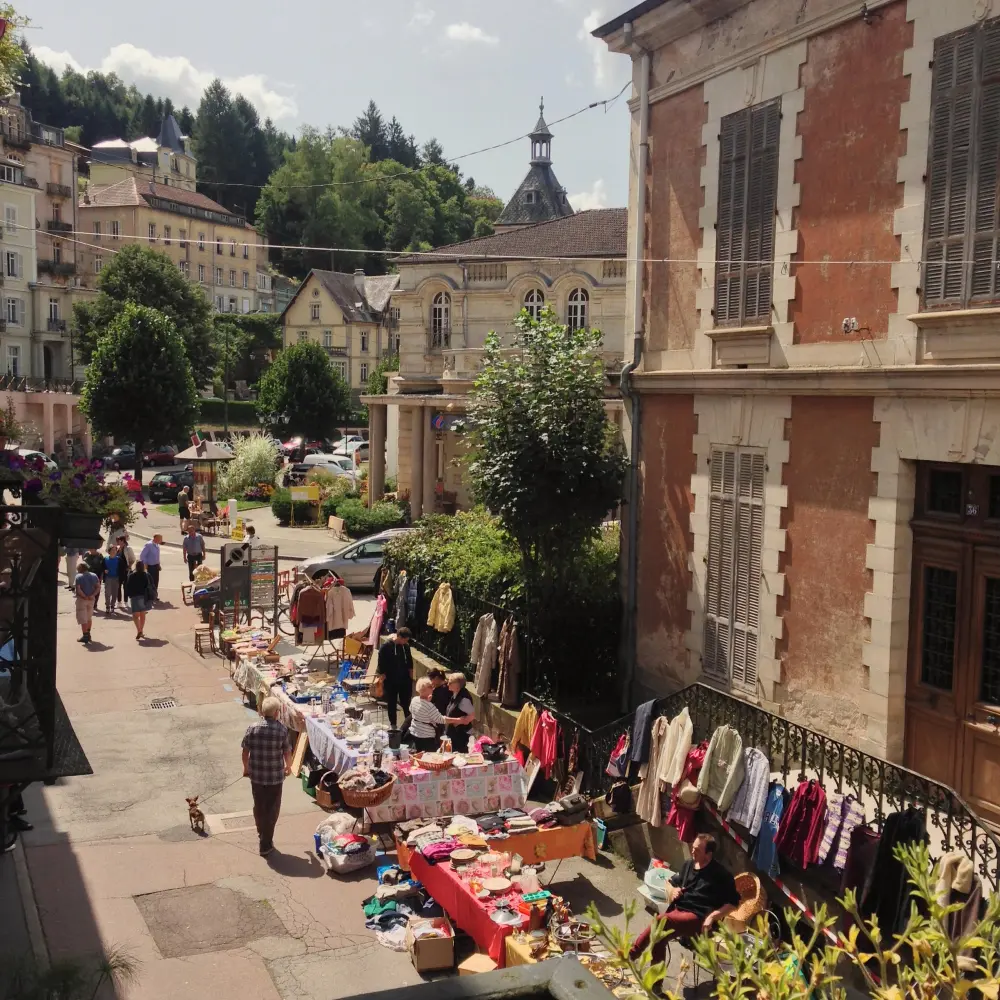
(138, 385)
(138, 274)
(302, 385)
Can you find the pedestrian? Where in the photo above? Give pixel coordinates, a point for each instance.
(126, 560)
(424, 717)
(88, 589)
(138, 589)
(72, 558)
(150, 559)
(460, 714)
(115, 532)
(267, 761)
(183, 508)
(395, 664)
(112, 583)
(194, 549)
(95, 563)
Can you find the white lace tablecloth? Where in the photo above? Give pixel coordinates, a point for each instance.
(328, 749)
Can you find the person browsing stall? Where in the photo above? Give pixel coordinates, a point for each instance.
(460, 714)
(700, 895)
(395, 664)
(424, 717)
(194, 549)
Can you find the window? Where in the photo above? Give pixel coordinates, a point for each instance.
(183, 237)
(441, 320)
(314, 310)
(303, 336)
(534, 303)
(220, 303)
(246, 252)
(232, 305)
(364, 341)
(116, 230)
(13, 264)
(201, 273)
(576, 309)
(232, 248)
(57, 212)
(733, 581)
(185, 267)
(15, 312)
(340, 367)
(98, 264)
(97, 232)
(218, 247)
(246, 279)
(245, 303)
(10, 218)
(10, 174)
(201, 241)
(53, 309)
(328, 338)
(744, 231)
(166, 235)
(363, 372)
(529, 197)
(13, 359)
(962, 224)
(394, 343)
(218, 276)
(232, 279)
(56, 253)
(152, 232)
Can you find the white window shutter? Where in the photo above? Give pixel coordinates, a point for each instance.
(749, 542)
(719, 580)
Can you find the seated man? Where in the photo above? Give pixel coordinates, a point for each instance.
(702, 893)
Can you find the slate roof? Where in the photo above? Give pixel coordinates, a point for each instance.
(130, 191)
(599, 232)
(356, 308)
(170, 134)
(548, 202)
(379, 289)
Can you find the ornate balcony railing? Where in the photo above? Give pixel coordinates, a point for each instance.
(58, 190)
(58, 226)
(59, 267)
(56, 325)
(35, 383)
(799, 753)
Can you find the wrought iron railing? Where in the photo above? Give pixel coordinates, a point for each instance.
(800, 753)
(35, 383)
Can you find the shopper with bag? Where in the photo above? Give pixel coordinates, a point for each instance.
(395, 666)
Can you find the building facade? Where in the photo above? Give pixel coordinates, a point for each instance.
(348, 315)
(819, 389)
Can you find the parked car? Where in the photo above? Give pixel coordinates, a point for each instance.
(164, 455)
(122, 457)
(295, 448)
(164, 486)
(360, 448)
(30, 455)
(339, 465)
(355, 564)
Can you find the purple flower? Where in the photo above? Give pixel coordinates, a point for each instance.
(55, 476)
(16, 462)
(33, 485)
(79, 463)
(77, 480)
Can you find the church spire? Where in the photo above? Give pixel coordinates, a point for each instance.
(541, 138)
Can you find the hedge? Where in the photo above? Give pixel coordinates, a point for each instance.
(281, 507)
(242, 412)
(360, 520)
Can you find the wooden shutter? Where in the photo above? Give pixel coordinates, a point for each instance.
(748, 189)
(719, 580)
(749, 543)
(983, 282)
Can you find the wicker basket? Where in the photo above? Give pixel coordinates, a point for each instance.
(369, 798)
(753, 900)
(432, 765)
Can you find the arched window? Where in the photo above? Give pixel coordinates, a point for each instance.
(441, 320)
(576, 311)
(534, 303)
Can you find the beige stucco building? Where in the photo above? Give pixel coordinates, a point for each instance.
(349, 316)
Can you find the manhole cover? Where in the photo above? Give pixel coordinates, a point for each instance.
(163, 703)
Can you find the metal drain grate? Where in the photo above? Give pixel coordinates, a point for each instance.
(163, 703)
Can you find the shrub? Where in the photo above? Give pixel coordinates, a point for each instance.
(360, 520)
(330, 506)
(281, 507)
(253, 464)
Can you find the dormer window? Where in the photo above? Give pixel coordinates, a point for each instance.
(529, 197)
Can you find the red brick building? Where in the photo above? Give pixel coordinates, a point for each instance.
(819, 385)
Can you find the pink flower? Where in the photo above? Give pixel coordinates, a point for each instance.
(144, 512)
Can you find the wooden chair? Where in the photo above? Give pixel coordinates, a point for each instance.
(205, 634)
(186, 591)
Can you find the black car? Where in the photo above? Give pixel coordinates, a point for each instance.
(164, 486)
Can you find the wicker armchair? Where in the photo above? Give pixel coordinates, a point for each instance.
(753, 900)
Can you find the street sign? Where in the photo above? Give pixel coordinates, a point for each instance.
(238, 531)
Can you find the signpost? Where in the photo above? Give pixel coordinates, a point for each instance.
(250, 579)
(304, 494)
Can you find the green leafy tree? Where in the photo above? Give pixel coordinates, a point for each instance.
(253, 339)
(137, 274)
(12, 56)
(302, 385)
(544, 458)
(378, 382)
(139, 386)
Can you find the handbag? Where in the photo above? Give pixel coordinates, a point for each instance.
(494, 752)
(378, 686)
(328, 794)
(688, 795)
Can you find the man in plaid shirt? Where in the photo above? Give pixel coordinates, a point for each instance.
(267, 761)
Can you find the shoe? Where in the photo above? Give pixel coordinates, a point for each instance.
(19, 824)
(86, 639)
(11, 842)
(82, 638)
(265, 851)
(19, 812)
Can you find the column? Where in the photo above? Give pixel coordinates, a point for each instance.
(430, 462)
(376, 451)
(88, 444)
(416, 462)
(48, 438)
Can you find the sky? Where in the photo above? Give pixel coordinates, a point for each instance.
(467, 72)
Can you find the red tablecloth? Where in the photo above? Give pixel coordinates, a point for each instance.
(465, 910)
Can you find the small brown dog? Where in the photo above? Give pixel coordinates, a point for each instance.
(195, 815)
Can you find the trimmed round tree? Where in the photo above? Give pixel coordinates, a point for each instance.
(139, 386)
(302, 386)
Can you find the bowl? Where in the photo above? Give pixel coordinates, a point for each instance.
(497, 885)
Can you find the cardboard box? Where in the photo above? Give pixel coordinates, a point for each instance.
(431, 953)
(475, 964)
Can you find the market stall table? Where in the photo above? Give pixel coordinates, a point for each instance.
(553, 845)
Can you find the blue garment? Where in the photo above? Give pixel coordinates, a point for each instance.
(765, 855)
(111, 566)
(87, 582)
(641, 727)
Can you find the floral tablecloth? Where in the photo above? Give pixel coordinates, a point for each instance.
(473, 790)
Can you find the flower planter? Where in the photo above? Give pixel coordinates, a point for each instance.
(80, 531)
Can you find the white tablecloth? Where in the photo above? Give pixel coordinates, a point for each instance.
(329, 749)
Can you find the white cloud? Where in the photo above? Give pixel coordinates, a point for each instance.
(421, 17)
(466, 32)
(598, 50)
(596, 197)
(176, 77)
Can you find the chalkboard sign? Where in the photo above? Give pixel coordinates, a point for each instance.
(250, 575)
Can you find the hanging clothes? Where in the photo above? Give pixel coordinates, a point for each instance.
(441, 615)
(375, 629)
(339, 608)
(956, 883)
(722, 773)
(413, 592)
(887, 891)
(681, 817)
(641, 726)
(748, 805)
(861, 853)
(676, 749)
(648, 803)
(400, 610)
(311, 628)
(618, 761)
(524, 729)
(543, 742)
(803, 824)
(765, 855)
(843, 814)
(485, 648)
(509, 683)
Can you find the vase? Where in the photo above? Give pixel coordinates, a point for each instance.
(80, 530)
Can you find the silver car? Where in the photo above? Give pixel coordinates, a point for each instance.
(357, 562)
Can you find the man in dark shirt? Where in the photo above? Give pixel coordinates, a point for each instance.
(395, 664)
(701, 894)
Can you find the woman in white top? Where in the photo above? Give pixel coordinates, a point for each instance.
(424, 717)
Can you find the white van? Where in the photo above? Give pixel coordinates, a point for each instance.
(339, 465)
